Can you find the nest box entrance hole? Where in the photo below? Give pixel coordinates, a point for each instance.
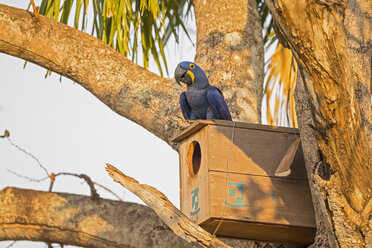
(194, 158)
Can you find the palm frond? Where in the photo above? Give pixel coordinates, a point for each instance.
(129, 26)
(281, 75)
(280, 82)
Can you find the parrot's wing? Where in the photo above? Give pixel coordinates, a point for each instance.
(218, 104)
(185, 106)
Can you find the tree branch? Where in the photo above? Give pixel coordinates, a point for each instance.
(70, 219)
(78, 220)
(173, 217)
(128, 89)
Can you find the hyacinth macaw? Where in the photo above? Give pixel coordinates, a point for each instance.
(201, 100)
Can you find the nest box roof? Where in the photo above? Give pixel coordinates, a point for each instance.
(199, 124)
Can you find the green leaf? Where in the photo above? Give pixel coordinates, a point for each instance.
(43, 6)
(66, 9)
(56, 9)
(79, 4)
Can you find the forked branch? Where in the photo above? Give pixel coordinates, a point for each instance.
(173, 217)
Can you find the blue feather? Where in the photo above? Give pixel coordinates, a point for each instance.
(217, 104)
(185, 106)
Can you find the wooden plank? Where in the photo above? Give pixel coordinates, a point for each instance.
(261, 231)
(256, 152)
(193, 128)
(194, 188)
(261, 199)
(198, 124)
(254, 126)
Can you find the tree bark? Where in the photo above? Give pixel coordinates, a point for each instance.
(79, 220)
(230, 50)
(316, 33)
(358, 28)
(325, 236)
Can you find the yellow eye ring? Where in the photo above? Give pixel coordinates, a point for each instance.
(192, 66)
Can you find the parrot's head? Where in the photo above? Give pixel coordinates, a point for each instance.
(190, 74)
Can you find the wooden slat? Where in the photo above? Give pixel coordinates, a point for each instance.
(256, 152)
(262, 231)
(190, 182)
(193, 128)
(198, 124)
(261, 199)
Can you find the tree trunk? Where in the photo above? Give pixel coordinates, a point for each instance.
(325, 236)
(340, 108)
(230, 50)
(358, 28)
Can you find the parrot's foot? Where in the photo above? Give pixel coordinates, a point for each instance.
(190, 121)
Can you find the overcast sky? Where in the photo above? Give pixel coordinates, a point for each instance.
(70, 130)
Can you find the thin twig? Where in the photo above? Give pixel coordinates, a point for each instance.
(53, 176)
(11, 244)
(28, 178)
(93, 192)
(52, 180)
(109, 190)
(29, 154)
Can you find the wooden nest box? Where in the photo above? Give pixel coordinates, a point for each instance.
(250, 200)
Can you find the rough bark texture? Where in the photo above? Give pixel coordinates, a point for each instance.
(325, 236)
(230, 50)
(341, 172)
(358, 28)
(78, 220)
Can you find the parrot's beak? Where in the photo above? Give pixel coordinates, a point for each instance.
(182, 76)
(179, 73)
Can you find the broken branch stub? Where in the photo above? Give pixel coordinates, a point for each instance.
(174, 218)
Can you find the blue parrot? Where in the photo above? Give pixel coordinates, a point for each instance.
(201, 100)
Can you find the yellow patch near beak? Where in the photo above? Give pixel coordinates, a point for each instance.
(191, 75)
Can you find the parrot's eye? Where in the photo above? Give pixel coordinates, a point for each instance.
(192, 66)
